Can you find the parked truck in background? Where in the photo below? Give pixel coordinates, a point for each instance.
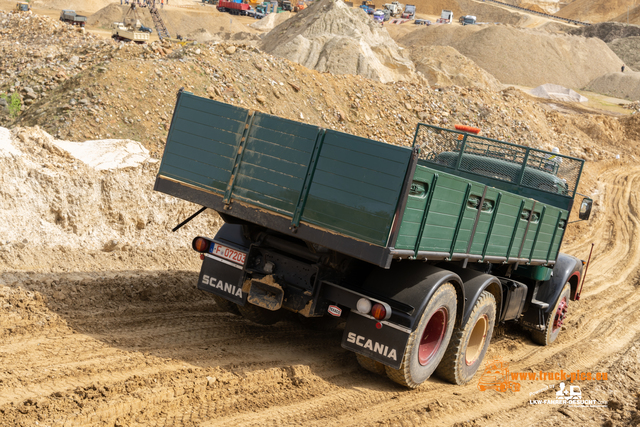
(467, 20)
(446, 17)
(71, 17)
(233, 7)
(421, 250)
(409, 12)
(394, 8)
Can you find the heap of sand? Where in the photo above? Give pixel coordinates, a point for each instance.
(271, 21)
(523, 56)
(595, 10)
(445, 66)
(620, 85)
(330, 36)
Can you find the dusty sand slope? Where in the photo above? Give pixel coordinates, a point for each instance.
(595, 10)
(628, 50)
(331, 37)
(548, 58)
(621, 85)
(445, 66)
(140, 348)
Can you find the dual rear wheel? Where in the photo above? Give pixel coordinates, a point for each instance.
(454, 354)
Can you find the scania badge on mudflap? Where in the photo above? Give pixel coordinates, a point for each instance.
(223, 278)
(334, 310)
(385, 345)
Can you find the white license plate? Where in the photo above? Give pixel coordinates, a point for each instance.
(228, 253)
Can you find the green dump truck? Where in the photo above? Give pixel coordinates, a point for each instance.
(420, 250)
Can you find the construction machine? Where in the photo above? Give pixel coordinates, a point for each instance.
(22, 7)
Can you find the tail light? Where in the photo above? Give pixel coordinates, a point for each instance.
(200, 244)
(381, 311)
(363, 306)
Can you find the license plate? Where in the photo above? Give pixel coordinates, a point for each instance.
(227, 253)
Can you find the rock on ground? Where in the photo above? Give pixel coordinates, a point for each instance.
(329, 36)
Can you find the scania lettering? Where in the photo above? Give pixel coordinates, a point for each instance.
(371, 345)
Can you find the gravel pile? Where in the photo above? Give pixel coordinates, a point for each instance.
(621, 85)
(329, 36)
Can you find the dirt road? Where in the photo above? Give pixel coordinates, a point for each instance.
(130, 348)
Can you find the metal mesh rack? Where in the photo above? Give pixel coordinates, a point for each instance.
(504, 161)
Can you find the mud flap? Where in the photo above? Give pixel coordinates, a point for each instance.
(385, 345)
(223, 278)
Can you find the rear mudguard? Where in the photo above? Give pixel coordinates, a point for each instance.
(474, 283)
(407, 287)
(412, 284)
(567, 269)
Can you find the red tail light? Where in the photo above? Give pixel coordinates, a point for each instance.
(200, 244)
(381, 311)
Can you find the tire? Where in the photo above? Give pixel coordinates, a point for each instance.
(422, 356)
(370, 364)
(259, 315)
(557, 317)
(325, 323)
(226, 306)
(469, 344)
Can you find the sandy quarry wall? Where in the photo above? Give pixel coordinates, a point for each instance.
(568, 61)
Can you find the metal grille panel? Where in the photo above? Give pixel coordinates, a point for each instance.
(529, 167)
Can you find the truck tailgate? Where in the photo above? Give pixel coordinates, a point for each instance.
(330, 181)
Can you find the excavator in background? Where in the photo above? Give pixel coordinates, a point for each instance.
(131, 28)
(161, 29)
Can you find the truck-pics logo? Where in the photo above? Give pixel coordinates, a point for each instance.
(223, 286)
(496, 377)
(372, 345)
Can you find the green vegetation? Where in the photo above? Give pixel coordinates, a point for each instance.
(14, 103)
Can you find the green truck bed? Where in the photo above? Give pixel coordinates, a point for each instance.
(451, 196)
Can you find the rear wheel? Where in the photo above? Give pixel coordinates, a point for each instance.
(469, 344)
(259, 315)
(370, 364)
(428, 343)
(224, 305)
(324, 323)
(557, 317)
